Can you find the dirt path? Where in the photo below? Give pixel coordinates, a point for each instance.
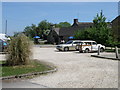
(76, 70)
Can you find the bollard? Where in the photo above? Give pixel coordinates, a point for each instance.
(116, 52)
(98, 50)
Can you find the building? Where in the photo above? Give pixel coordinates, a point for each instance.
(116, 28)
(58, 34)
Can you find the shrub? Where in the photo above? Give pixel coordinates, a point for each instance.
(19, 51)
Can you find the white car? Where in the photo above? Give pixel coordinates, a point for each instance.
(89, 46)
(70, 45)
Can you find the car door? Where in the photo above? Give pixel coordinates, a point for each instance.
(74, 45)
(94, 46)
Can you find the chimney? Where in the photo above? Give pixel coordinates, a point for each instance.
(52, 26)
(75, 21)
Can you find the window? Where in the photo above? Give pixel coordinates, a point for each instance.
(94, 43)
(88, 43)
(69, 42)
(76, 43)
(83, 43)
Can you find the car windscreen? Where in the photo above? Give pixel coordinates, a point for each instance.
(69, 42)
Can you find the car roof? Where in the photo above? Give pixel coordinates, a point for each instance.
(75, 40)
(87, 41)
(83, 40)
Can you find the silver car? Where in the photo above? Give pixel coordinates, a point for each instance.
(70, 45)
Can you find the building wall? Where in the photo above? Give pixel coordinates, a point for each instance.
(53, 37)
(116, 28)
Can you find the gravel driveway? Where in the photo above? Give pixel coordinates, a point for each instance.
(76, 70)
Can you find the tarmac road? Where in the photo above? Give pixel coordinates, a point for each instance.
(75, 70)
(21, 84)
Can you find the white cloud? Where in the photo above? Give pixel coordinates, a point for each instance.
(60, 0)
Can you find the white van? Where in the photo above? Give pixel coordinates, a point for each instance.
(89, 46)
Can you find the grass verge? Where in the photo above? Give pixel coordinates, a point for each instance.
(111, 50)
(34, 66)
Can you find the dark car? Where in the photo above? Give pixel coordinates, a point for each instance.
(3, 45)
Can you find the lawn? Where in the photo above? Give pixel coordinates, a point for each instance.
(111, 50)
(34, 66)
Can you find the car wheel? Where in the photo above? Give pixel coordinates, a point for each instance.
(101, 49)
(80, 51)
(66, 49)
(59, 49)
(86, 50)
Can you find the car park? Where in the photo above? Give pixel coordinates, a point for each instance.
(89, 46)
(70, 45)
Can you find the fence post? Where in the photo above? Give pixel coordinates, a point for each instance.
(116, 52)
(98, 50)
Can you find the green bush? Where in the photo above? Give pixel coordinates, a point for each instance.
(19, 51)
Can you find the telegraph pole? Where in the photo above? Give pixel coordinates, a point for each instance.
(6, 27)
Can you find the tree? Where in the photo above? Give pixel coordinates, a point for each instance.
(63, 24)
(44, 26)
(42, 29)
(99, 21)
(30, 31)
(19, 51)
(85, 34)
(100, 31)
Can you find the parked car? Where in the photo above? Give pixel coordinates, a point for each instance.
(3, 45)
(89, 46)
(70, 45)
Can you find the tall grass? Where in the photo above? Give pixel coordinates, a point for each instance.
(19, 51)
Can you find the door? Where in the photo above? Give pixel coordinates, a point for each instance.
(74, 45)
(94, 46)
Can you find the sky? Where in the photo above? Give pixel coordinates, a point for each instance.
(0, 17)
(119, 8)
(59, 0)
(22, 14)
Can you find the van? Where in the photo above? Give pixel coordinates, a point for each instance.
(89, 46)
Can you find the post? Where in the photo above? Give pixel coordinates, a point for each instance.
(116, 52)
(98, 50)
(6, 27)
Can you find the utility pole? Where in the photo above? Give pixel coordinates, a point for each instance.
(6, 27)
